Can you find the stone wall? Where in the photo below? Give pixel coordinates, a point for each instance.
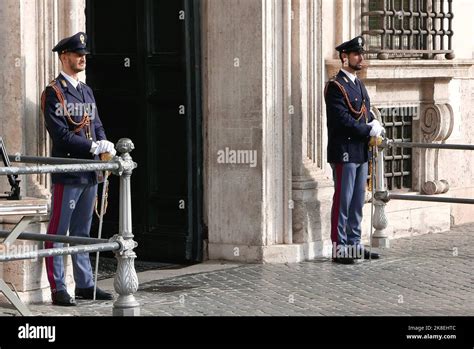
(247, 205)
(30, 29)
(443, 91)
(232, 113)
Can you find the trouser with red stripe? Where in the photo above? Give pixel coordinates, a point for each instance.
(350, 181)
(71, 209)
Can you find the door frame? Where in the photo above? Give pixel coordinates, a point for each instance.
(195, 128)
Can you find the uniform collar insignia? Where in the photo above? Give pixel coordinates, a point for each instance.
(64, 83)
(345, 79)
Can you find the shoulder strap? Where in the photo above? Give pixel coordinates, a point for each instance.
(59, 95)
(78, 126)
(357, 114)
(333, 79)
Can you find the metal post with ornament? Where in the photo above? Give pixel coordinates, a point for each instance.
(126, 280)
(380, 237)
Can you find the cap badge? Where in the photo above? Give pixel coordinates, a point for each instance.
(83, 39)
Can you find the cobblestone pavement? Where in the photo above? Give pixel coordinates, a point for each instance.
(108, 266)
(424, 275)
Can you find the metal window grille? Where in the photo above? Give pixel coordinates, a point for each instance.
(397, 122)
(407, 28)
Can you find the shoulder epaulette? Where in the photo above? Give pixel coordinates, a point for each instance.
(51, 84)
(59, 95)
(332, 79)
(43, 95)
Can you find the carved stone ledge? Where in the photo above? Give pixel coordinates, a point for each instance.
(407, 69)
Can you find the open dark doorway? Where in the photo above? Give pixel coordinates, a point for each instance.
(144, 69)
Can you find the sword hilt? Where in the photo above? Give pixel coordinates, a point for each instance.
(106, 157)
(375, 141)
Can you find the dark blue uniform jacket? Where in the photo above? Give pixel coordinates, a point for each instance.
(67, 143)
(347, 138)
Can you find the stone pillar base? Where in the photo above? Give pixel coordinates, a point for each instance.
(293, 253)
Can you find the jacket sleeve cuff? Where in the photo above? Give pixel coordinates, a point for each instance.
(367, 130)
(94, 146)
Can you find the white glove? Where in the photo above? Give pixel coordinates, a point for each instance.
(377, 129)
(109, 147)
(103, 147)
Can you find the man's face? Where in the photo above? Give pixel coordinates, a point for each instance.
(74, 61)
(354, 60)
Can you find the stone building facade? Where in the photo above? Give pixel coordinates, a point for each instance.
(287, 48)
(264, 66)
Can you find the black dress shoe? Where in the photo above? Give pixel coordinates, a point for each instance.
(344, 260)
(370, 255)
(88, 293)
(63, 298)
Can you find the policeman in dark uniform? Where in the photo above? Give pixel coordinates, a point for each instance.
(350, 125)
(76, 131)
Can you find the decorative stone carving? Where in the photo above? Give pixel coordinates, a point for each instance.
(436, 124)
(435, 187)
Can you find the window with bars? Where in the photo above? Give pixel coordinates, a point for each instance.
(397, 122)
(407, 28)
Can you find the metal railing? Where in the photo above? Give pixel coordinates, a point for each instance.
(382, 196)
(408, 28)
(126, 281)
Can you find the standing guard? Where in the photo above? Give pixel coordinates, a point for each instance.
(350, 124)
(76, 131)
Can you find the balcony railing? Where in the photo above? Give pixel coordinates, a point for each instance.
(408, 28)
